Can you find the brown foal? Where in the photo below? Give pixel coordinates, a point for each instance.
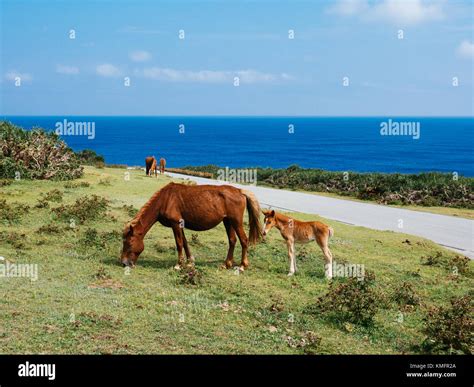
(162, 165)
(293, 230)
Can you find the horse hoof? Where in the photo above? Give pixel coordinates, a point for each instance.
(241, 269)
(177, 267)
(290, 274)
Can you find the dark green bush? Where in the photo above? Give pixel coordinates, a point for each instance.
(14, 239)
(459, 264)
(91, 238)
(12, 213)
(90, 157)
(355, 301)
(35, 154)
(450, 329)
(190, 275)
(54, 195)
(435, 259)
(79, 184)
(405, 295)
(85, 208)
(49, 229)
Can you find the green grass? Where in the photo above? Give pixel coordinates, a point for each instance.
(85, 302)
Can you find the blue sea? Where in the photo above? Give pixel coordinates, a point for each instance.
(336, 144)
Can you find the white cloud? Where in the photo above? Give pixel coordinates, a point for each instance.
(68, 70)
(466, 49)
(349, 7)
(13, 75)
(399, 12)
(209, 76)
(140, 56)
(108, 70)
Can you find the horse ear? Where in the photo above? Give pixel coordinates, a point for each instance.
(264, 212)
(127, 230)
(136, 227)
(273, 212)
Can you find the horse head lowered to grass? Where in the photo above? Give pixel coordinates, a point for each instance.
(150, 165)
(197, 208)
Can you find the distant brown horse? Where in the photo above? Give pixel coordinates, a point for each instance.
(197, 208)
(162, 165)
(293, 230)
(150, 163)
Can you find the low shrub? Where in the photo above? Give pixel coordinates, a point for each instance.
(190, 275)
(85, 208)
(48, 229)
(5, 182)
(54, 195)
(12, 213)
(91, 238)
(355, 301)
(79, 184)
(309, 342)
(435, 259)
(459, 264)
(450, 329)
(405, 295)
(14, 239)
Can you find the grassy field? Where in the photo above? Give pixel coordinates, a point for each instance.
(84, 302)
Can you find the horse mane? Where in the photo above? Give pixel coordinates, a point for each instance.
(145, 208)
(282, 217)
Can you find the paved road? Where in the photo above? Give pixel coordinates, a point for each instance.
(452, 232)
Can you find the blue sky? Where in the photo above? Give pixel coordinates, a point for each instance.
(358, 39)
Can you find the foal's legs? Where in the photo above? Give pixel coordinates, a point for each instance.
(322, 242)
(231, 235)
(290, 243)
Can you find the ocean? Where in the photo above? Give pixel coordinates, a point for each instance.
(331, 143)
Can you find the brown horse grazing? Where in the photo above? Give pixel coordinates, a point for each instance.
(162, 165)
(197, 208)
(293, 230)
(150, 163)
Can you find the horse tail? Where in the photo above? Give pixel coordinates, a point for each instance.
(331, 231)
(253, 207)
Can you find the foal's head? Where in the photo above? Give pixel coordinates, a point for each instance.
(269, 222)
(132, 243)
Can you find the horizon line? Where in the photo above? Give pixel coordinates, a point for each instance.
(237, 116)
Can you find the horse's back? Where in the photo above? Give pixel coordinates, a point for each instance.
(201, 206)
